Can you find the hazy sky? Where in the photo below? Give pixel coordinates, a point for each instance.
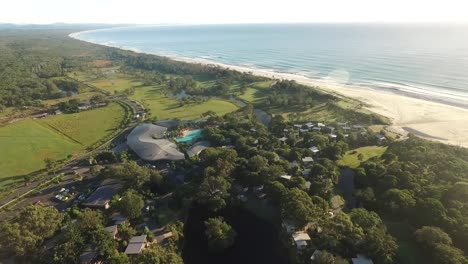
(231, 11)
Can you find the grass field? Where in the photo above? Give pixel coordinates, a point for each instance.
(81, 96)
(256, 93)
(25, 145)
(350, 159)
(88, 127)
(164, 107)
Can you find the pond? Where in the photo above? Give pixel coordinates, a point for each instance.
(257, 241)
(190, 136)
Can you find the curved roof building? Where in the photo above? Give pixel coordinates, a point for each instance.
(146, 140)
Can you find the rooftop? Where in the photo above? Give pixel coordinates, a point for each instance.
(145, 140)
(197, 148)
(102, 196)
(136, 245)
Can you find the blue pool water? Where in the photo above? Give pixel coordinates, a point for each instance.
(194, 134)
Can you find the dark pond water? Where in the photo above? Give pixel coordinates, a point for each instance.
(256, 242)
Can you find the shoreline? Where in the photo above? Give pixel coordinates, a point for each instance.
(430, 118)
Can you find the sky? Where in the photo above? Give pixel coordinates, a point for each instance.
(231, 11)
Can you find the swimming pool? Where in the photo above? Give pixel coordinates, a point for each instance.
(194, 134)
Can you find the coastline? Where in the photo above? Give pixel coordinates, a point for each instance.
(429, 118)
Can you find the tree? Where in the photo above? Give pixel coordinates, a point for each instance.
(213, 192)
(70, 246)
(297, 208)
(118, 258)
(399, 201)
(104, 242)
(126, 231)
(29, 229)
(339, 234)
(131, 204)
(50, 164)
(324, 257)
(430, 236)
(158, 255)
(446, 254)
(220, 234)
(90, 220)
(430, 211)
(365, 219)
(380, 246)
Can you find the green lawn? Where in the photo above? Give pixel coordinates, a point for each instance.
(256, 93)
(81, 96)
(164, 107)
(115, 82)
(87, 127)
(25, 145)
(350, 159)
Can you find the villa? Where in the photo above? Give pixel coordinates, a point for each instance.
(136, 245)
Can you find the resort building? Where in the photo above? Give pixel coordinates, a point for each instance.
(146, 141)
(102, 196)
(300, 239)
(197, 148)
(136, 245)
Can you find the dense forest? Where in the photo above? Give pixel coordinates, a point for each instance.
(426, 184)
(33, 65)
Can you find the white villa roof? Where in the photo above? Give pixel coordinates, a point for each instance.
(321, 124)
(301, 236)
(283, 139)
(307, 159)
(287, 177)
(314, 149)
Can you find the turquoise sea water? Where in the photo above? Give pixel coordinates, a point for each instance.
(418, 59)
(194, 134)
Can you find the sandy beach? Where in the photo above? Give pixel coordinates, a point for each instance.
(428, 119)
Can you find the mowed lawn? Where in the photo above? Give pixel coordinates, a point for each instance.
(87, 127)
(165, 107)
(81, 97)
(350, 159)
(115, 82)
(24, 146)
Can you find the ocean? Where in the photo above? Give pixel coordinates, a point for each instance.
(425, 60)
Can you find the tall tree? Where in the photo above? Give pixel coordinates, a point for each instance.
(131, 204)
(213, 192)
(220, 234)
